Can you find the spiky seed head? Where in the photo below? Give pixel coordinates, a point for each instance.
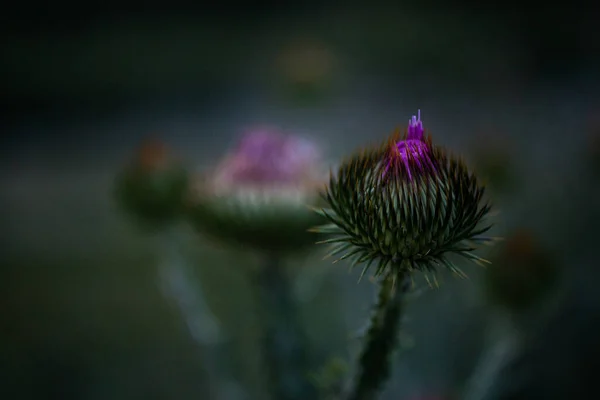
(404, 206)
(259, 194)
(152, 185)
(522, 272)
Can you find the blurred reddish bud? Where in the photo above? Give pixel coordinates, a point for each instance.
(153, 154)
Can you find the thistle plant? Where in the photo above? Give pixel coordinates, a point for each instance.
(257, 197)
(152, 185)
(517, 287)
(491, 156)
(400, 208)
(305, 69)
(522, 274)
(151, 189)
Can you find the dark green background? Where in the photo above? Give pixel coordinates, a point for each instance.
(81, 315)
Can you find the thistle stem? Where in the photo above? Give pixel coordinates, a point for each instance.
(509, 335)
(283, 339)
(177, 285)
(504, 344)
(374, 363)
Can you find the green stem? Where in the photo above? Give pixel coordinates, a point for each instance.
(374, 365)
(283, 340)
(177, 283)
(504, 345)
(510, 334)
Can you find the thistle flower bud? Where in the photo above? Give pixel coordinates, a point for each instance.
(491, 156)
(152, 186)
(521, 273)
(404, 205)
(258, 195)
(305, 69)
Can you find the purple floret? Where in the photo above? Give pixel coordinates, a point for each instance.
(413, 151)
(415, 127)
(267, 156)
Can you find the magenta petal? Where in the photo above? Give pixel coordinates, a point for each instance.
(415, 127)
(266, 156)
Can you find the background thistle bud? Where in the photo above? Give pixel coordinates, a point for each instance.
(258, 195)
(406, 204)
(305, 69)
(491, 156)
(521, 273)
(152, 185)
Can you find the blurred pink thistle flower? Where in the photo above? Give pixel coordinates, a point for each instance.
(260, 194)
(268, 158)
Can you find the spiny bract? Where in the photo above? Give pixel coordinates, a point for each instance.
(404, 206)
